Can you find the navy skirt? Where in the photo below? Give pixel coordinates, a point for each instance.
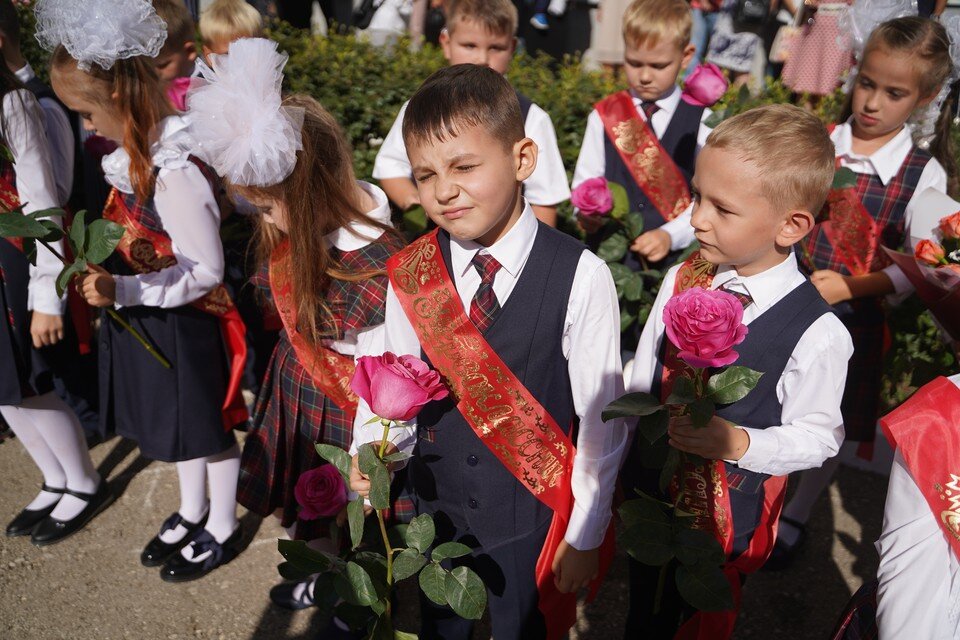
(172, 414)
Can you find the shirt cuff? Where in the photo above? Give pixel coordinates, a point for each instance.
(901, 284)
(586, 532)
(127, 292)
(680, 231)
(759, 452)
(43, 298)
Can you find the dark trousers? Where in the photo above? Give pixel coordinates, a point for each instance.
(642, 622)
(509, 572)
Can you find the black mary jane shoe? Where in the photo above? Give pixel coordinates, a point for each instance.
(27, 519)
(179, 569)
(282, 595)
(50, 530)
(157, 552)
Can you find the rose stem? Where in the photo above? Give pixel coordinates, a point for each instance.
(661, 582)
(116, 317)
(383, 526)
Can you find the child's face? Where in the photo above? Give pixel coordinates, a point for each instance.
(176, 62)
(273, 211)
(99, 118)
(886, 92)
(652, 67)
(471, 43)
(469, 184)
(732, 219)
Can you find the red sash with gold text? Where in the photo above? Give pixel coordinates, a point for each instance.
(147, 251)
(706, 493)
(500, 410)
(926, 430)
(651, 166)
(330, 371)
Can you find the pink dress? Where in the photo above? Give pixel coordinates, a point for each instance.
(822, 54)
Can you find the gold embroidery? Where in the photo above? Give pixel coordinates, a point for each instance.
(628, 135)
(951, 517)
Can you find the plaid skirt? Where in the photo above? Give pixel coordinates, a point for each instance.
(860, 407)
(291, 417)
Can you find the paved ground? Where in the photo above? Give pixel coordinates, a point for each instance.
(92, 586)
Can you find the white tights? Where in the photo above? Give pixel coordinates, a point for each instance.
(221, 471)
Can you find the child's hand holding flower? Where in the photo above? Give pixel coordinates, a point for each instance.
(98, 287)
(718, 440)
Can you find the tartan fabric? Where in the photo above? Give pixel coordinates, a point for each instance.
(887, 204)
(859, 619)
(146, 212)
(649, 108)
(484, 306)
(744, 298)
(292, 414)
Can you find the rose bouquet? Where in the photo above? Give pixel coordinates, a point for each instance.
(395, 388)
(703, 328)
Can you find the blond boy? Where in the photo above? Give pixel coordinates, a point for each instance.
(225, 21)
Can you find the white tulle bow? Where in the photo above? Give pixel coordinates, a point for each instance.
(241, 127)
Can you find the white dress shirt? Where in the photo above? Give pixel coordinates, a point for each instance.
(591, 163)
(23, 131)
(353, 237)
(809, 389)
(885, 163)
(59, 136)
(190, 215)
(919, 574)
(590, 344)
(546, 186)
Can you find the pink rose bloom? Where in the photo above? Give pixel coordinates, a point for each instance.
(177, 93)
(930, 252)
(705, 326)
(592, 197)
(320, 492)
(396, 388)
(705, 85)
(950, 226)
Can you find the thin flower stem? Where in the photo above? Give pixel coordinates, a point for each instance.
(55, 252)
(383, 526)
(661, 583)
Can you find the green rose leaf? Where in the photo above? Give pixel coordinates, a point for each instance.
(643, 511)
(633, 287)
(302, 557)
(683, 391)
(621, 203)
(627, 319)
(704, 586)
(620, 272)
(78, 234)
(843, 178)
(669, 468)
(407, 563)
(355, 585)
(382, 628)
(397, 456)
(654, 426)
(398, 536)
(631, 404)
(290, 571)
(421, 532)
(465, 593)
(54, 232)
(16, 225)
(653, 455)
(450, 550)
(693, 545)
(380, 488)
(355, 518)
(367, 459)
(648, 534)
(30, 250)
(732, 384)
(633, 225)
(701, 411)
(403, 635)
(433, 583)
(338, 458)
(613, 248)
(103, 236)
(76, 267)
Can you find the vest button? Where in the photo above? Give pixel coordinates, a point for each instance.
(472, 460)
(473, 503)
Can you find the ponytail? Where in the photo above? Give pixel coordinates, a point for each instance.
(942, 145)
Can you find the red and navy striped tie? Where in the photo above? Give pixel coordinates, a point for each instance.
(485, 305)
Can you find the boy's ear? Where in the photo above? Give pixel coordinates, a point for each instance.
(797, 224)
(688, 52)
(445, 43)
(525, 158)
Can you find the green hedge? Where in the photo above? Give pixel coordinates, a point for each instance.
(364, 87)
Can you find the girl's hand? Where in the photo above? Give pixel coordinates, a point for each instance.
(46, 330)
(574, 569)
(832, 286)
(98, 287)
(719, 440)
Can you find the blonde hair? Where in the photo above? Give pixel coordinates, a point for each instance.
(180, 26)
(648, 22)
(791, 149)
(227, 20)
(499, 17)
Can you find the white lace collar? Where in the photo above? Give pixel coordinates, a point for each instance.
(171, 151)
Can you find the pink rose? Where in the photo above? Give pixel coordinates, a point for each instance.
(177, 93)
(705, 85)
(705, 326)
(592, 197)
(396, 388)
(930, 253)
(320, 492)
(950, 226)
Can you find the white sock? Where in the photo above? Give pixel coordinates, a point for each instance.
(223, 472)
(557, 7)
(41, 454)
(305, 586)
(193, 496)
(58, 425)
